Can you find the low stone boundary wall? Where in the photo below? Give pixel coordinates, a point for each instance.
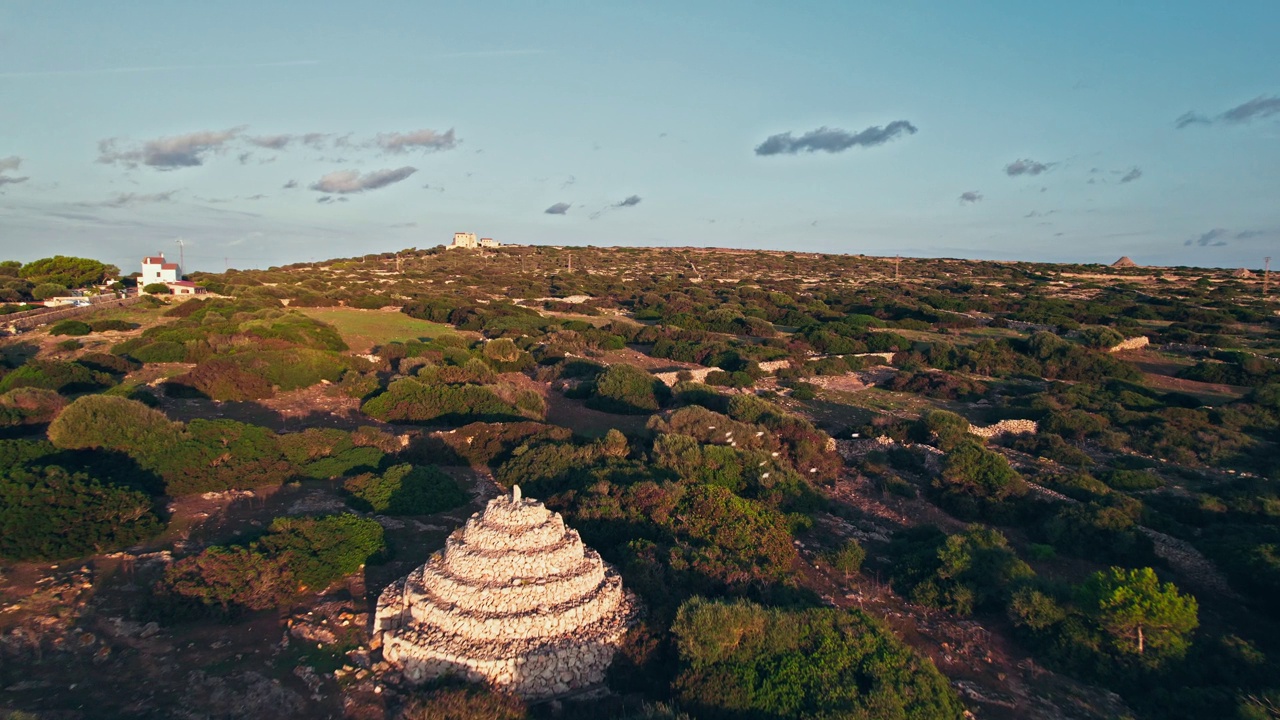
(1030, 326)
(35, 318)
(699, 375)
(1133, 343)
(1005, 427)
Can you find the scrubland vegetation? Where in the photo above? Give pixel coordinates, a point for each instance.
(802, 537)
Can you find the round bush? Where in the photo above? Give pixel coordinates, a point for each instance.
(160, 352)
(628, 389)
(70, 327)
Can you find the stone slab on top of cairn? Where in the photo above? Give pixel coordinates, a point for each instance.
(514, 599)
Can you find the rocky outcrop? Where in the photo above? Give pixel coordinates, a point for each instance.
(514, 599)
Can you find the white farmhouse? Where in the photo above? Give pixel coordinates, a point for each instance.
(156, 270)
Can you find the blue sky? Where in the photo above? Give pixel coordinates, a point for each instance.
(268, 133)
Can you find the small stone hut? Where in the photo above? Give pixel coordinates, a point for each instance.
(514, 599)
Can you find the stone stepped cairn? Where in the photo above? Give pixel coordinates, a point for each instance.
(514, 599)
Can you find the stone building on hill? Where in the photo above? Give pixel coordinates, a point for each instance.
(469, 240)
(1124, 262)
(514, 599)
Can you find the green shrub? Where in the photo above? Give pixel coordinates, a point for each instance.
(848, 557)
(255, 374)
(410, 400)
(897, 486)
(323, 549)
(69, 345)
(141, 393)
(104, 362)
(301, 448)
(44, 291)
(218, 455)
(63, 377)
(109, 325)
(220, 378)
(627, 389)
(159, 352)
(296, 555)
(1132, 480)
(755, 475)
(70, 327)
(961, 573)
(233, 576)
(692, 393)
(203, 456)
(974, 480)
(494, 443)
(29, 406)
(50, 514)
(1080, 486)
(804, 391)
(463, 703)
(737, 379)
(949, 428)
(549, 467)
(740, 660)
(360, 385)
(1100, 338)
(114, 423)
(407, 490)
(1105, 528)
(156, 289)
(343, 463)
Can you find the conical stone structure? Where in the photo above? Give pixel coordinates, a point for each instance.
(514, 599)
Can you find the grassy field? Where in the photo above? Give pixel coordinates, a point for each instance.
(363, 329)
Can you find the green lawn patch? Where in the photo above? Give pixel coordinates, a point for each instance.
(364, 329)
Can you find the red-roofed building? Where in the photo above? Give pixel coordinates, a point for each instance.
(156, 270)
(185, 287)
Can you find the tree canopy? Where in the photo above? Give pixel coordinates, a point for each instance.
(67, 271)
(1141, 615)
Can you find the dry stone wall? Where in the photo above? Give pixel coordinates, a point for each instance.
(1005, 427)
(1133, 343)
(671, 378)
(514, 599)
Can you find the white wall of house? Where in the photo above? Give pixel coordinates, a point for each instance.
(157, 270)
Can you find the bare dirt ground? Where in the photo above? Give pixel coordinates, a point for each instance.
(584, 421)
(1210, 392)
(81, 640)
(317, 406)
(631, 356)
